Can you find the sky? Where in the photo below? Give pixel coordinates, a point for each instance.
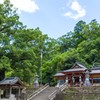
(56, 17)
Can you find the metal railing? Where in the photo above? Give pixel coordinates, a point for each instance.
(63, 87)
(38, 91)
(53, 94)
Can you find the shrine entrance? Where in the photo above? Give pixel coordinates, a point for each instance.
(79, 75)
(75, 75)
(76, 80)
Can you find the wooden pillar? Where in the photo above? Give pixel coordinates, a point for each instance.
(10, 90)
(0, 94)
(83, 77)
(70, 77)
(19, 91)
(92, 80)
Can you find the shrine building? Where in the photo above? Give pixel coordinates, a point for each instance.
(11, 87)
(76, 75)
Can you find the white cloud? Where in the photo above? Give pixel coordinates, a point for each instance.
(75, 6)
(24, 5)
(1, 1)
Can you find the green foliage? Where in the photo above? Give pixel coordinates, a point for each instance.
(23, 52)
(4, 63)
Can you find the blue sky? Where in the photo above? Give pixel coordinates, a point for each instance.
(56, 17)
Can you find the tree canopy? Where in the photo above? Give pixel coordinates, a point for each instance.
(23, 51)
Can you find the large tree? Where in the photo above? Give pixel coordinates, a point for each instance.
(9, 24)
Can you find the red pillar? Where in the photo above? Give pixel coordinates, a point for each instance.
(70, 80)
(83, 78)
(92, 81)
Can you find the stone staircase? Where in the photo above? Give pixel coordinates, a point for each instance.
(44, 95)
(46, 92)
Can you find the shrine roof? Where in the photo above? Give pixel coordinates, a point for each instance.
(59, 74)
(82, 66)
(95, 72)
(79, 64)
(11, 81)
(75, 70)
(95, 68)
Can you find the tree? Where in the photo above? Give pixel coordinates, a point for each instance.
(78, 33)
(9, 24)
(65, 42)
(89, 47)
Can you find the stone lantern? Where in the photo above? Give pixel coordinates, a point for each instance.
(87, 81)
(36, 83)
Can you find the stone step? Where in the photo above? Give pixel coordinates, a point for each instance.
(45, 93)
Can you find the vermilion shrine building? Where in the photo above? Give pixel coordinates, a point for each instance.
(76, 75)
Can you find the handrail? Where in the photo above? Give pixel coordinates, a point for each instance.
(53, 94)
(63, 87)
(38, 91)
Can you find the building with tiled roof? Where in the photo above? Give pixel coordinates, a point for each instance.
(76, 75)
(9, 86)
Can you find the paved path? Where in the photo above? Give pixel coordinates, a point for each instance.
(45, 93)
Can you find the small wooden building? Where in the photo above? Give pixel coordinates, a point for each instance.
(11, 86)
(76, 75)
(95, 75)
